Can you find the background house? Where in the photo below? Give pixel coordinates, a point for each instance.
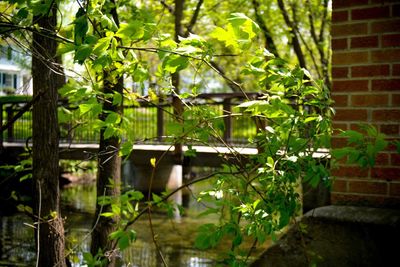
(15, 75)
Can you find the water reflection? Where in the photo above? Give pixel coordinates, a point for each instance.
(175, 237)
(17, 246)
(78, 204)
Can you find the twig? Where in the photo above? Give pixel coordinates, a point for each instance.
(38, 225)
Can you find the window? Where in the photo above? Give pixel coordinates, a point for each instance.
(8, 80)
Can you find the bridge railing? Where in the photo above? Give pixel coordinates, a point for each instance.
(146, 122)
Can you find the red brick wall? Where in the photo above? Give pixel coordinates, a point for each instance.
(366, 88)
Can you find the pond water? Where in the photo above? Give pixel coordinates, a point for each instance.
(175, 236)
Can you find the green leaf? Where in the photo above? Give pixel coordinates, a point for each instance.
(132, 31)
(135, 195)
(208, 236)
(22, 14)
(81, 26)
(25, 177)
(226, 36)
(126, 148)
(208, 212)
(113, 118)
(64, 48)
(270, 162)
(174, 63)
(123, 242)
(108, 23)
(109, 132)
(117, 98)
(85, 108)
(102, 45)
(156, 198)
(247, 24)
(340, 152)
(83, 52)
(107, 214)
(354, 136)
(397, 144)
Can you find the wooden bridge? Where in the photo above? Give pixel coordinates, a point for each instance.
(150, 125)
(150, 129)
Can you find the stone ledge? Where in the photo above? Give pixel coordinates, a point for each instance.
(355, 214)
(332, 236)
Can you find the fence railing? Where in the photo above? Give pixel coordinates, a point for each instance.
(146, 122)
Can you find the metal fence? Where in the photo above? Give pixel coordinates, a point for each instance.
(147, 122)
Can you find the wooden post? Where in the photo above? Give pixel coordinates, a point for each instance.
(1, 121)
(227, 110)
(160, 124)
(10, 129)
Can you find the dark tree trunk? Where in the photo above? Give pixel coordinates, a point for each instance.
(294, 34)
(108, 178)
(176, 102)
(45, 135)
(269, 42)
(108, 168)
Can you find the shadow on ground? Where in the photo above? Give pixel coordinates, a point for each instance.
(338, 236)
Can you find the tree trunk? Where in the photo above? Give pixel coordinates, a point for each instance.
(108, 178)
(176, 102)
(45, 137)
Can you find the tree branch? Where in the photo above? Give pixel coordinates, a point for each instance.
(269, 42)
(169, 8)
(295, 38)
(193, 20)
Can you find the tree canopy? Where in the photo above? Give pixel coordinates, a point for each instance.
(115, 52)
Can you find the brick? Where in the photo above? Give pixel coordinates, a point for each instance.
(395, 159)
(396, 70)
(350, 86)
(350, 171)
(358, 127)
(338, 142)
(386, 26)
(389, 129)
(388, 55)
(370, 13)
(392, 147)
(340, 16)
(395, 100)
(394, 189)
(337, 127)
(386, 115)
(390, 40)
(382, 159)
(364, 42)
(348, 3)
(339, 44)
(340, 100)
(385, 85)
(365, 200)
(339, 185)
(375, 100)
(368, 71)
(383, 1)
(348, 58)
(377, 188)
(386, 173)
(396, 11)
(351, 115)
(350, 29)
(340, 72)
